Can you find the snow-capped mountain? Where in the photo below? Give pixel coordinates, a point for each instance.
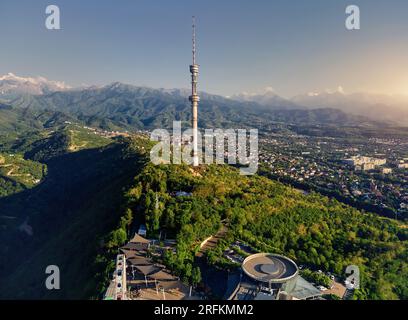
(12, 85)
(267, 98)
(392, 108)
(328, 98)
(376, 106)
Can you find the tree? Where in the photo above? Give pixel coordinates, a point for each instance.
(187, 272)
(196, 276)
(116, 238)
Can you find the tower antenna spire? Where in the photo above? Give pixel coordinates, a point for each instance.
(194, 99)
(194, 41)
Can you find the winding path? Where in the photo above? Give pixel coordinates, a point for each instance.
(212, 241)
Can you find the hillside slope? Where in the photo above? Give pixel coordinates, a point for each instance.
(62, 220)
(314, 230)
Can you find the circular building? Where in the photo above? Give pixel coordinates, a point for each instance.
(271, 270)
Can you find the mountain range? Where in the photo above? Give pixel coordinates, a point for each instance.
(267, 98)
(12, 85)
(376, 106)
(119, 106)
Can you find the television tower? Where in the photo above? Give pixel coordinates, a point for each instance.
(194, 99)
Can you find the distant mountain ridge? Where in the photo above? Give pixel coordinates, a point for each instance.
(12, 85)
(118, 106)
(267, 98)
(377, 106)
(125, 107)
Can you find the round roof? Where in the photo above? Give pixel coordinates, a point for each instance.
(270, 268)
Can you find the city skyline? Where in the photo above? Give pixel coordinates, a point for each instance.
(293, 48)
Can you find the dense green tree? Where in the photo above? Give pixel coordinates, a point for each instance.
(316, 231)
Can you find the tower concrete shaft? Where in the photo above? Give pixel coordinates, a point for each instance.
(194, 99)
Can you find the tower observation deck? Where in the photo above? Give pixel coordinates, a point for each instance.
(194, 99)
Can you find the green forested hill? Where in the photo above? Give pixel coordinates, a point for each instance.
(63, 219)
(16, 121)
(23, 157)
(17, 173)
(314, 230)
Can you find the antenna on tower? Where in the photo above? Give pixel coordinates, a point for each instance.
(194, 42)
(194, 99)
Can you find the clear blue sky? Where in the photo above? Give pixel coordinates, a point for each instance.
(295, 46)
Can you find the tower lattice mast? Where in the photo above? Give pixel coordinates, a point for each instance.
(194, 98)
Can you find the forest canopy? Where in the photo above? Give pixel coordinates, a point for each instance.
(315, 231)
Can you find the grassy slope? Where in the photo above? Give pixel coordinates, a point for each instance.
(22, 173)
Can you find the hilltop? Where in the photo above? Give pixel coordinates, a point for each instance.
(315, 231)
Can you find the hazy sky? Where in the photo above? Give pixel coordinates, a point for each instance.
(294, 46)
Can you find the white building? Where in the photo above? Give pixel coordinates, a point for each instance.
(365, 163)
